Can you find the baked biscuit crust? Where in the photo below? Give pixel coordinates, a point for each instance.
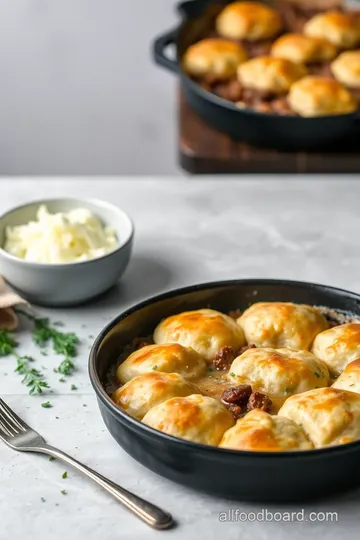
(328, 416)
(251, 21)
(279, 373)
(258, 431)
(282, 324)
(346, 69)
(341, 29)
(214, 59)
(145, 391)
(196, 418)
(338, 346)
(303, 49)
(205, 330)
(169, 358)
(269, 74)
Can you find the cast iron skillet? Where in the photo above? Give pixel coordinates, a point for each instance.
(251, 476)
(270, 130)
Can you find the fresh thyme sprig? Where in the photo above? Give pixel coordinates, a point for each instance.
(33, 378)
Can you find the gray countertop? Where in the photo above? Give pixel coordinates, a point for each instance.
(79, 91)
(186, 232)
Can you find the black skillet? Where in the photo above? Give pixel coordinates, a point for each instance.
(250, 476)
(269, 130)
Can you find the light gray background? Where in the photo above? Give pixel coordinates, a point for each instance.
(79, 93)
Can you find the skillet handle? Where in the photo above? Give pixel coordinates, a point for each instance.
(192, 8)
(159, 46)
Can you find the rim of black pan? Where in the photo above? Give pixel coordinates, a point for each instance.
(137, 424)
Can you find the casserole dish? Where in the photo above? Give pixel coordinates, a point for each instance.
(251, 476)
(262, 129)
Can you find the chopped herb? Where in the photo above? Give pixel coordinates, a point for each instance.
(317, 374)
(55, 370)
(42, 499)
(33, 378)
(91, 336)
(63, 492)
(7, 343)
(232, 374)
(154, 367)
(287, 390)
(351, 384)
(46, 405)
(210, 369)
(64, 475)
(62, 379)
(84, 405)
(64, 343)
(73, 387)
(51, 458)
(66, 367)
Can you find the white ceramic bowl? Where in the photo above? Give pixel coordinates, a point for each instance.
(71, 283)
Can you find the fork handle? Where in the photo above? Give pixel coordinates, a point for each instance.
(149, 513)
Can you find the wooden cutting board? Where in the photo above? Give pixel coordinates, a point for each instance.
(203, 150)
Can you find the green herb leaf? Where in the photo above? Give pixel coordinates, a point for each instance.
(64, 475)
(73, 387)
(232, 374)
(66, 367)
(33, 378)
(154, 367)
(7, 343)
(63, 492)
(317, 374)
(51, 458)
(46, 405)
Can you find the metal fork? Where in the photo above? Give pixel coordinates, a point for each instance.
(19, 436)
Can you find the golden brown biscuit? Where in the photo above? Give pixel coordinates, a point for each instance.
(196, 418)
(281, 324)
(320, 96)
(137, 396)
(350, 378)
(215, 58)
(279, 373)
(303, 49)
(251, 21)
(205, 330)
(338, 346)
(264, 433)
(341, 29)
(346, 69)
(327, 415)
(268, 74)
(169, 358)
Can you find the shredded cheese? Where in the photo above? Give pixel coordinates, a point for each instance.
(74, 236)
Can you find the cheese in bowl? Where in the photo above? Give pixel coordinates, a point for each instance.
(63, 237)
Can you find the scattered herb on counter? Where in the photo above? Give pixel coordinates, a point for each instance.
(62, 379)
(73, 387)
(42, 499)
(66, 367)
(64, 475)
(63, 492)
(46, 405)
(64, 343)
(7, 343)
(51, 458)
(33, 378)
